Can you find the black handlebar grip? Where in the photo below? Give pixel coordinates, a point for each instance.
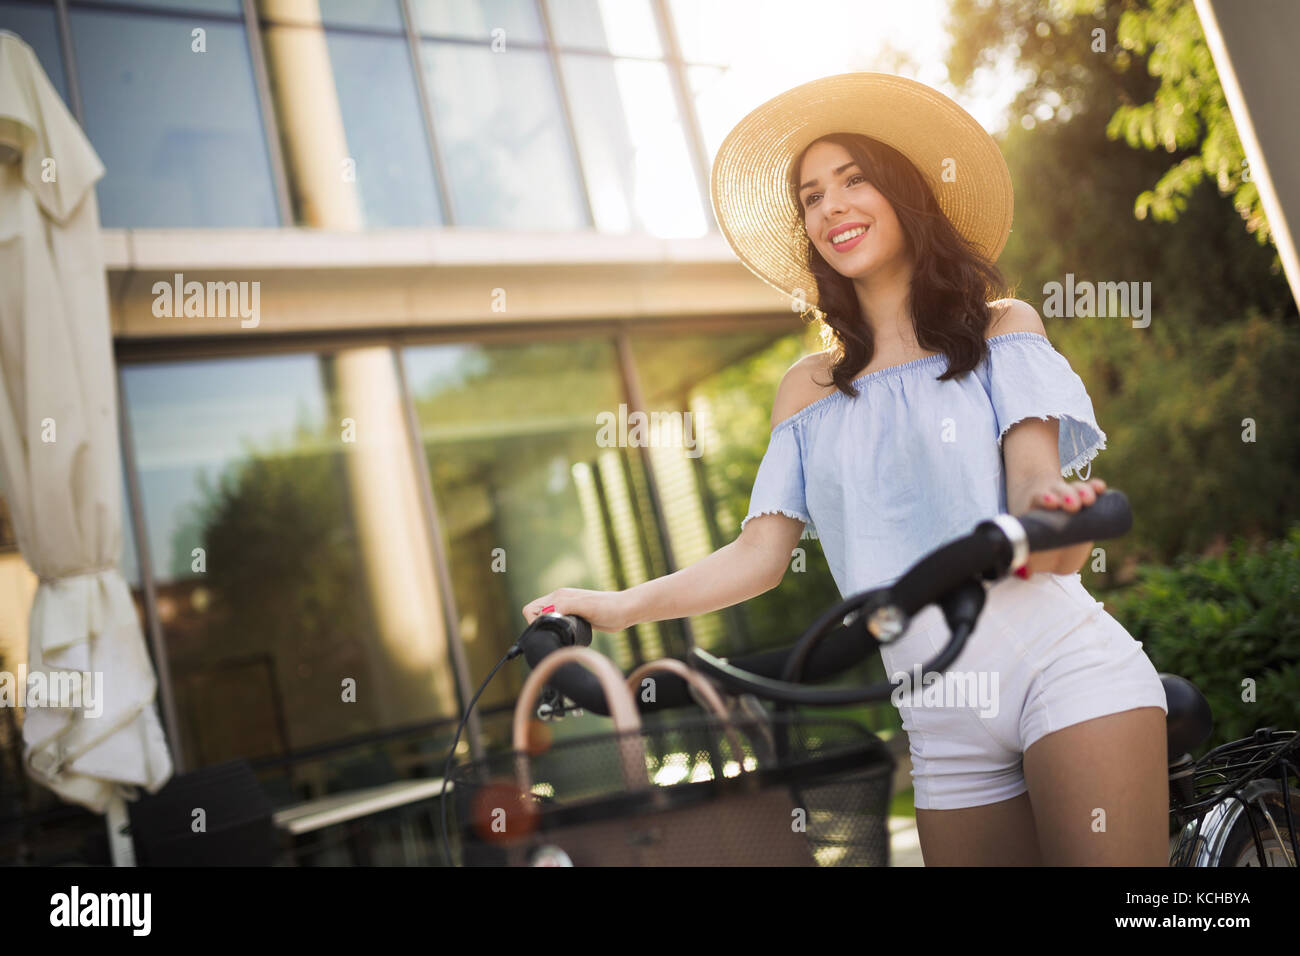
(551, 631)
(1108, 517)
(948, 567)
(568, 628)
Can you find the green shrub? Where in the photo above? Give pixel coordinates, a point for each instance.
(1220, 621)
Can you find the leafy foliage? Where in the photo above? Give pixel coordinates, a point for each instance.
(1188, 111)
(1174, 397)
(1224, 620)
(1145, 62)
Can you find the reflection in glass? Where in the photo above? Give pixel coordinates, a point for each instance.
(702, 378)
(366, 14)
(715, 104)
(385, 138)
(633, 149)
(706, 29)
(361, 13)
(179, 132)
(232, 7)
(529, 498)
(621, 27)
(38, 26)
(477, 20)
(294, 575)
(501, 134)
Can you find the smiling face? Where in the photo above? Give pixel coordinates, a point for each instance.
(838, 205)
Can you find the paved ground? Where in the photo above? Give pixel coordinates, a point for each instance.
(904, 847)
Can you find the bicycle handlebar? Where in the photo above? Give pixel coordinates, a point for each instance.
(848, 631)
(838, 653)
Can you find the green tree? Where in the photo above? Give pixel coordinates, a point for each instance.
(1174, 398)
(1188, 111)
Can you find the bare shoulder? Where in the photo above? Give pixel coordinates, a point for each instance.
(802, 385)
(1013, 315)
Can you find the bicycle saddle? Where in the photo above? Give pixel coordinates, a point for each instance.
(1190, 721)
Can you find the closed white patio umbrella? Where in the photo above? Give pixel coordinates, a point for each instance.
(59, 454)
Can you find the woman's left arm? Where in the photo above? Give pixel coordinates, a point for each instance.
(1029, 451)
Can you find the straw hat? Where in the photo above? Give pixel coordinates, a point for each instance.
(749, 186)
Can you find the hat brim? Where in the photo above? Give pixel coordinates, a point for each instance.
(959, 160)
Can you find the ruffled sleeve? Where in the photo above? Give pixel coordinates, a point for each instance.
(779, 485)
(1028, 378)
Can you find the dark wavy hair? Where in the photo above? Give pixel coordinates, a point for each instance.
(952, 281)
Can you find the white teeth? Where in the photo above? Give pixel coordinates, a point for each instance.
(851, 234)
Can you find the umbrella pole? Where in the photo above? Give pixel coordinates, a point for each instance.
(120, 843)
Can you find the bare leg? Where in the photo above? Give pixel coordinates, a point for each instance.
(1100, 791)
(996, 834)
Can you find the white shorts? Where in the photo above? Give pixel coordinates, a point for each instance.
(1044, 655)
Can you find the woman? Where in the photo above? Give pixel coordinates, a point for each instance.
(885, 204)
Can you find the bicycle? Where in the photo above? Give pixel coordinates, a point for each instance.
(1236, 805)
(1225, 805)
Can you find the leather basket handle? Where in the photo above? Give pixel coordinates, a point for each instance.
(698, 682)
(622, 708)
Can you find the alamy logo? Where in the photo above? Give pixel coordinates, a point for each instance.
(208, 300)
(1103, 300)
(665, 430)
(80, 689)
(976, 689)
(102, 909)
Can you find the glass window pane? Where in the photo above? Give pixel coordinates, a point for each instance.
(706, 29)
(179, 132)
(476, 19)
(726, 382)
(233, 7)
(361, 13)
(715, 104)
(309, 612)
(623, 27)
(372, 14)
(532, 496)
(502, 137)
(634, 153)
(385, 134)
(38, 26)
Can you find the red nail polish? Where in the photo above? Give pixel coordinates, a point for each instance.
(1023, 572)
(549, 607)
(1068, 499)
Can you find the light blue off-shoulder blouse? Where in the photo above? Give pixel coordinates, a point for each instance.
(911, 463)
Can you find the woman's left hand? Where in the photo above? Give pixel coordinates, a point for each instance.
(1068, 496)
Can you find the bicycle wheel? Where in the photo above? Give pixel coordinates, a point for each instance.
(1239, 846)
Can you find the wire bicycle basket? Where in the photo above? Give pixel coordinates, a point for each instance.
(692, 792)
